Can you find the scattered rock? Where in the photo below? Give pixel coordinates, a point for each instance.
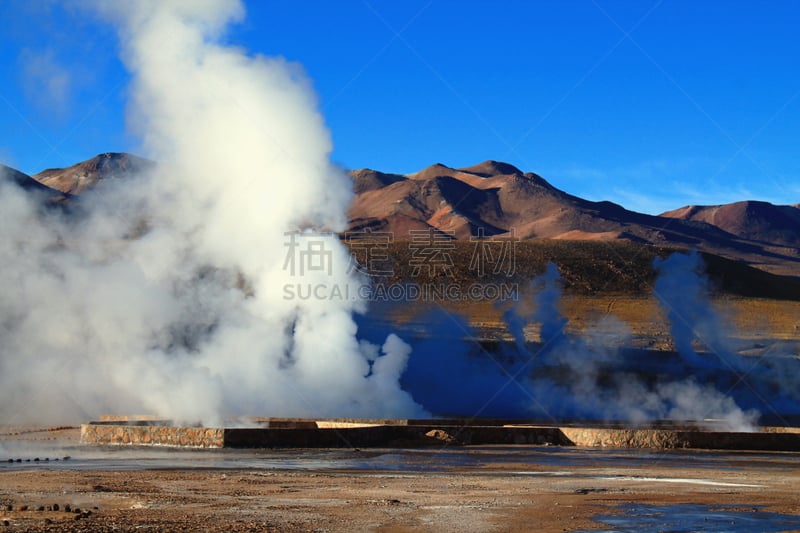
(587, 491)
(441, 435)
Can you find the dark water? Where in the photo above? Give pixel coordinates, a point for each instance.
(692, 517)
(523, 460)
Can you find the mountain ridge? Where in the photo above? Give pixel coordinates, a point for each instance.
(502, 201)
(493, 199)
(88, 174)
(748, 219)
(30, 185)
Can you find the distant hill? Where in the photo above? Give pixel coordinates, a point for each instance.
(498, 197)
(497, 200)
(755, 221)
(494, 198)
(29, 184)
(82, 176)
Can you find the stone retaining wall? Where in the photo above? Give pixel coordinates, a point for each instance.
(330, 434)
(769, 440)
(151, 435)
(624, 438)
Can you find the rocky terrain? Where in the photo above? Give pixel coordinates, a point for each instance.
(498, 200)
(88, 174)
(754, 221)
(441, 488)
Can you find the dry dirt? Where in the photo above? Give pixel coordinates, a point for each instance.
(758, 321)
(533, 496)
(491, 497)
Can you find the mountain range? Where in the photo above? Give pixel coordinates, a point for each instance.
(497, 200)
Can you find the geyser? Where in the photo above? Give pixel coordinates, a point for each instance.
(165, 295)
(595, 375)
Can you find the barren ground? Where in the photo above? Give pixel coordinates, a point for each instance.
(757, 321)
(541, 489)
(523, 489)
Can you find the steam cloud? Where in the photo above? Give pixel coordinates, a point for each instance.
(595, 375)
(600, 385)
(166, 297)
(165, 294)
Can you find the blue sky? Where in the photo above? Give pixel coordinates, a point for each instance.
(649, 104)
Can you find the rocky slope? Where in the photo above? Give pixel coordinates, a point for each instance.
(496, 200)
(755, 221)
(87, 174)
(30, 185)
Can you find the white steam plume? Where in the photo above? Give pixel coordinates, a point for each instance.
(682, 289)
(168, 295)
(597, 382)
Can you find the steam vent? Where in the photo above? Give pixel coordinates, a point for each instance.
(364, 433)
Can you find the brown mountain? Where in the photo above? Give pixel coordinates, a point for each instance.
(500, 198)
(87, 174)
(496, 199)
(755, 221)
(29, 184)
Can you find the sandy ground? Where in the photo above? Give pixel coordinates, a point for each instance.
(508, 489)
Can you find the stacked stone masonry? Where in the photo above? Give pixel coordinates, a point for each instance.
(153, 435)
